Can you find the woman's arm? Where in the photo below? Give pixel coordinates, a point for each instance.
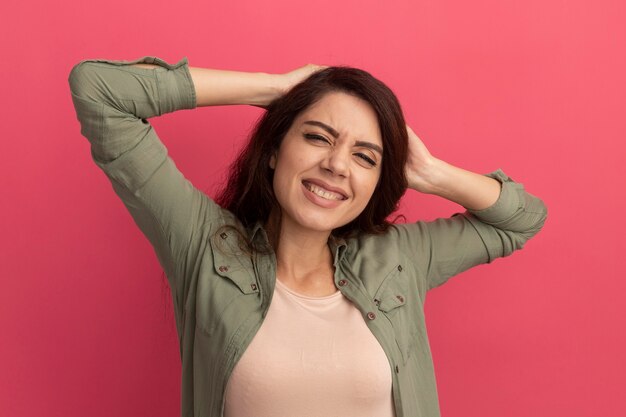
(216, 87)
(501, 216)
(114, 99)
(430, 175)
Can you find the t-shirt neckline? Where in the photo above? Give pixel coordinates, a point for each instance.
(334, 295)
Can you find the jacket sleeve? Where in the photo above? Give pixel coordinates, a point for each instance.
(112, 100)
(445, 247)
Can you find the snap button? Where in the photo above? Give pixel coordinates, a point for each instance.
(253, 286)
(223, 235)
(371, 315)
(223, 268)
(400, 298)
(400, 268)
(342, 282)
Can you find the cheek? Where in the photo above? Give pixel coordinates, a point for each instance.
(284, 175)
(367, 192)
(278, 184)
(287, 167)
(370, 184)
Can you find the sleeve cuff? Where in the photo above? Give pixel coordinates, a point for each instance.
(507, 203)
(179, 92)
(178, 84)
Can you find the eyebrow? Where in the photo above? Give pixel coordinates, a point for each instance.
(333, 132)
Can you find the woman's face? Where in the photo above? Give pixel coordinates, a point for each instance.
(328, 163)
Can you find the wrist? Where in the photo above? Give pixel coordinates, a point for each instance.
(468, 189)
(430, 176)
(278, 84)
(269, 88)
(439, 175)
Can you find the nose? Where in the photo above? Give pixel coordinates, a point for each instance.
(337, 161)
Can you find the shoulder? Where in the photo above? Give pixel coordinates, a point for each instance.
(400, 239)
(375, 257)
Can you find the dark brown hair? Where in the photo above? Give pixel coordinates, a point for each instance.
(249, 193)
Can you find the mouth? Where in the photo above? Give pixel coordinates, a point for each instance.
(323, 191)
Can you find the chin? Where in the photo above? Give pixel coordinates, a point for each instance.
(321, 225)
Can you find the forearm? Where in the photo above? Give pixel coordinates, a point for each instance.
(222, 87)
(470, 190)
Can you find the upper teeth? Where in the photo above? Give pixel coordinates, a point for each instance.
(328, 195)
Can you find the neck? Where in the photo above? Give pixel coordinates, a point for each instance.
(302, 255)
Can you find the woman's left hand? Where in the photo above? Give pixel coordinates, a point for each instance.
(420, 164)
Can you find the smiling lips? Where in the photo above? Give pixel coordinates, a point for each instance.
(324, 191)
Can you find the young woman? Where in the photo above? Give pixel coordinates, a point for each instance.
(293, 294)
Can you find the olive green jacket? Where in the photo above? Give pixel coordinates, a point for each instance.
(220, 295)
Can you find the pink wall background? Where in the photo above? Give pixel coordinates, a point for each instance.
(533, 87)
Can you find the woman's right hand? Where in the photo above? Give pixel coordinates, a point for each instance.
(300, 74)
(288, 80)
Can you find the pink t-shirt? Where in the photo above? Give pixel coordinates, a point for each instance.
(312, 357)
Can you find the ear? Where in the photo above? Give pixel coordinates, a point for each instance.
(273, 161)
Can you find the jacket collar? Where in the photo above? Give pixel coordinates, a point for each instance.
(337, 245)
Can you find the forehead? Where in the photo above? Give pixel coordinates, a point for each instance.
(351, 116)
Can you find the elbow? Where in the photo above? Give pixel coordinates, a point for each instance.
(542, 214)
(87, 101)
(535, 214)
(534, 227)
(83, 80)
